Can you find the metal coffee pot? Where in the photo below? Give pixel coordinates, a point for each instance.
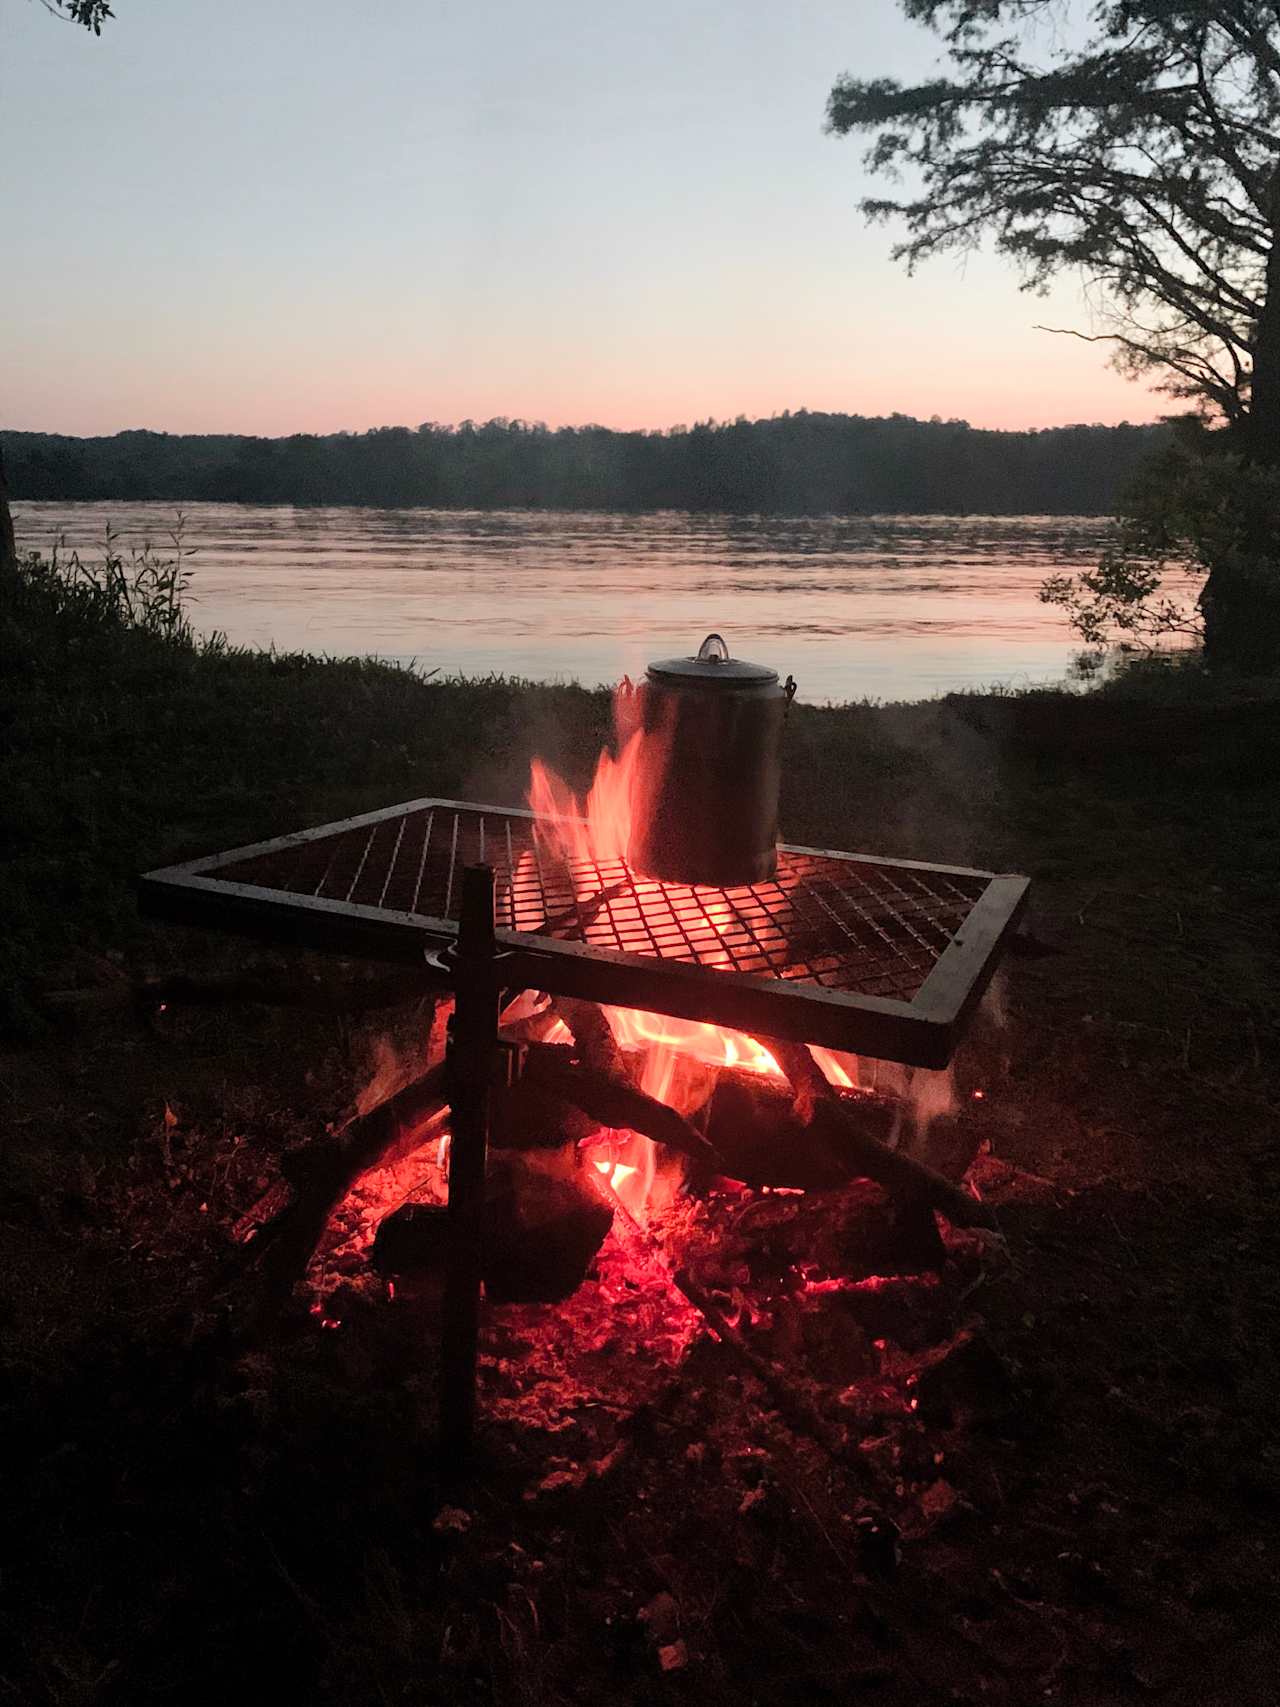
(706, 803)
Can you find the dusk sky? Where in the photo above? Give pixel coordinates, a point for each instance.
(312, 215)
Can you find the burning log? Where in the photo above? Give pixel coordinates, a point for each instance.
(753, 1132)
(593, 1036)
(753, 1125)
(535, 1115)
(613, 1100)
(322, 1174)
(892, 1169)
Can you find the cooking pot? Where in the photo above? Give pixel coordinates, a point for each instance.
(705, 808)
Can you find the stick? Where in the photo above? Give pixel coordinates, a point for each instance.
(809, 1084)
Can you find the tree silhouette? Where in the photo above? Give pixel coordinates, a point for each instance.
(1145, 156)
(91, 13)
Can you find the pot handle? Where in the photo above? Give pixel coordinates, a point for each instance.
(714, 650)
(789, 689)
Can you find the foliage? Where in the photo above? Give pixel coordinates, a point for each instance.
(1137, 142)
(91, 13)
(144, 591)
(1198, 506)
(796, 463)
(1121, 602)
(1145, 156)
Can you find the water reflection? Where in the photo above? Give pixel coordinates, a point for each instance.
(886, 607)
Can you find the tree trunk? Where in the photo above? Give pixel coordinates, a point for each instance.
(1241, 597)
(8, 545)
(1264, 390)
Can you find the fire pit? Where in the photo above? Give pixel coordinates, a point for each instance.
(759, 982)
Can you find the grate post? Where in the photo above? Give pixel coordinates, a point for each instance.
(472, 1042)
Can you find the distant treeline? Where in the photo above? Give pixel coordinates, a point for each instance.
(799, 463)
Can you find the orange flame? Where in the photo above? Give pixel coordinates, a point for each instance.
(583, 834)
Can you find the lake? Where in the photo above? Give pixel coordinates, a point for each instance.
(879, 607)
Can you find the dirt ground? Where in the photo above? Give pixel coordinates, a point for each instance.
(1051, 1475)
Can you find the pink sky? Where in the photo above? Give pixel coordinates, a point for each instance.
(285, 220)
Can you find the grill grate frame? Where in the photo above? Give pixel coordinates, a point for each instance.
(879, 956)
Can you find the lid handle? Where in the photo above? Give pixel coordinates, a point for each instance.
(713, 650)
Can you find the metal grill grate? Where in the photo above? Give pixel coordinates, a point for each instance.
(842, 924)
(831, 926)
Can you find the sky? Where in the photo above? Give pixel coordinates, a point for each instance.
(312, 215)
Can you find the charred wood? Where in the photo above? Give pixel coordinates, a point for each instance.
(543, 1224)
(754, 1127)
(593, 1038)
(321, 1174)
(612, 1100)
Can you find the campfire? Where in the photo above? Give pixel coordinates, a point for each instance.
(662, 1023)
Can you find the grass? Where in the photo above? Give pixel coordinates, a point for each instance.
(184, 1525)
(129, 743)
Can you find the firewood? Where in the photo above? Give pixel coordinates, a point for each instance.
(809, 1084)
(543, 1225)
(532, 1115)
(752, 1123)
(533, 1028)
(753, 1127)
(593, 1036)
(612, 1100)
(322, 1173)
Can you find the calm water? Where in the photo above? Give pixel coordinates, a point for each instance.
(886, 607)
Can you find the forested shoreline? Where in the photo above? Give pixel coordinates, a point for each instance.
(795, 463)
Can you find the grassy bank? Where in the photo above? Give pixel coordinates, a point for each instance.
(129, 744)
(187, 1523)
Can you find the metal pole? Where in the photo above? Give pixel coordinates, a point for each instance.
(472, 1041)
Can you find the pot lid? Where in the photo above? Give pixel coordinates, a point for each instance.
(712, 667)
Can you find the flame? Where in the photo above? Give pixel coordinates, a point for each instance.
(580, 836)
(617, 1172)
